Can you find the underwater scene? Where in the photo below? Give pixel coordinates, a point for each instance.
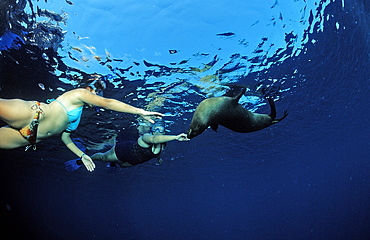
(305, 177)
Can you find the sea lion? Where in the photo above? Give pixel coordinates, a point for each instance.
(227, 112)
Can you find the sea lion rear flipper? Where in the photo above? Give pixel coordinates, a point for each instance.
(214, 127)
(278, 120)
(273, 111)
(273, 108)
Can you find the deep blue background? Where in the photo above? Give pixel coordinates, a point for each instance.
(304, 178)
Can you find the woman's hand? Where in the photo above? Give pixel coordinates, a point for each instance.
(87, 161)
(182, 137)
(147, 115)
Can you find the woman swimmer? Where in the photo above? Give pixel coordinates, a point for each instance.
(31, 121)
(129, 153)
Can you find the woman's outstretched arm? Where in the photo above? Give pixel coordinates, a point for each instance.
(113, 104)
(77, 97)
(155, 139)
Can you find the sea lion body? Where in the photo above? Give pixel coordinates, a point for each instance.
(227, 112)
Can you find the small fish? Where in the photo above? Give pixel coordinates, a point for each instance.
(228, 34)
(76, 49)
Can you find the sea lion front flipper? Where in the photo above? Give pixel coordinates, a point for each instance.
(235, 92)
(240, 94)
(214, 127)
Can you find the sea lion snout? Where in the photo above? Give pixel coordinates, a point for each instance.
(195, 130)
(190, 134)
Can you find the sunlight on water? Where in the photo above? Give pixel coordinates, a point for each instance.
(177, 50)
(202, 44)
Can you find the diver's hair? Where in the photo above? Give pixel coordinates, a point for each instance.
(98, 84)
(95, 83)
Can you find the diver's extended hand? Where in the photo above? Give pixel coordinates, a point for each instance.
(182, 137)
(89, 164)
(147, 115)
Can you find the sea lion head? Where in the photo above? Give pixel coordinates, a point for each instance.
(204, 116)
(195, 129)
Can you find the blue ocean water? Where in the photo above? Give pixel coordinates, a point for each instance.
(306, 177)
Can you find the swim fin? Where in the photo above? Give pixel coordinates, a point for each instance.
(111, 167)
(73, 165)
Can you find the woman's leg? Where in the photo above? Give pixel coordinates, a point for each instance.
(11, 138)
(16, 112)
(109, 156)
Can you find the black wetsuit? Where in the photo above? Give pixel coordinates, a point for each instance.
(132, 153)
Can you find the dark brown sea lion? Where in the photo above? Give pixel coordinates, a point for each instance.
(227, 112)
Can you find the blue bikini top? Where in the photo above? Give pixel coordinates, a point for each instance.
(74, 117)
